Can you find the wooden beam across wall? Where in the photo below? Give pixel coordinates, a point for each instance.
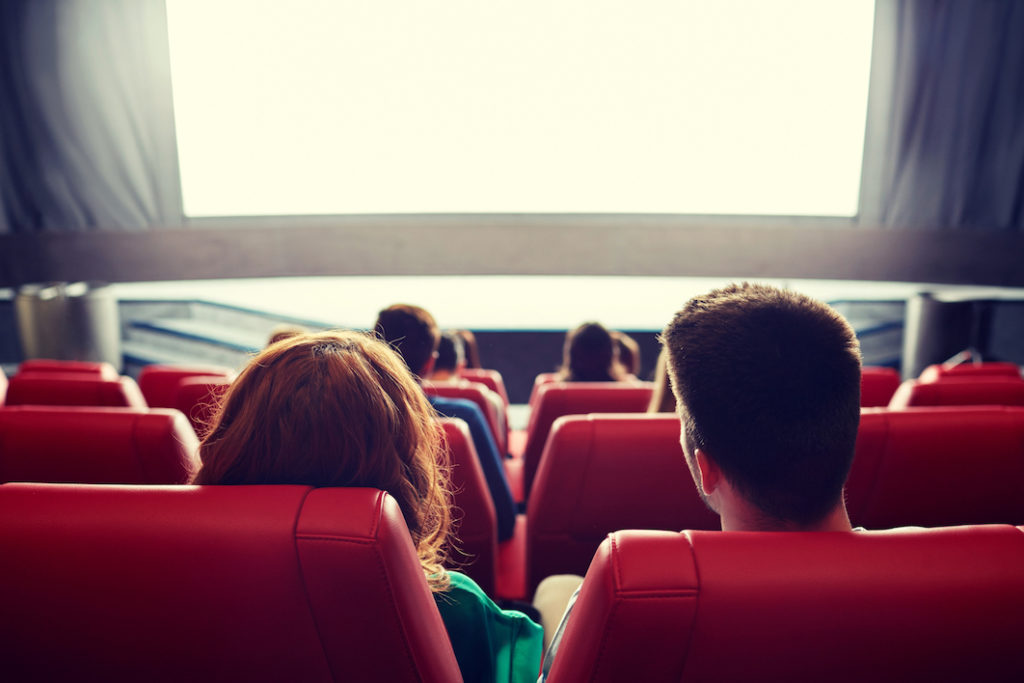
(517, 245)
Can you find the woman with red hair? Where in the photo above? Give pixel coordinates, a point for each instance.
(341, 409)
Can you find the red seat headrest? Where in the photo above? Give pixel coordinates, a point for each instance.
(960, 391)
(923, 605)
(73, 389)
(159, 383)
(96, 445)
(213, 583)
(938, 467)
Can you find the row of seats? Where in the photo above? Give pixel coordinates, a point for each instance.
(599, 473)
(269, 583)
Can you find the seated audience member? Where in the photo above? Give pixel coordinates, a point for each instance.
(629, 353)
(412, 332)
(341, 409)
(451, 358)
(662, 398)
(767, 386)
(472, 349)
(285, 331)
(589, 355)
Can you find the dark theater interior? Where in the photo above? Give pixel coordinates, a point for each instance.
(561, 340)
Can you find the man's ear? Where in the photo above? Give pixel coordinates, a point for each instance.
(710, 472)
(428, 367)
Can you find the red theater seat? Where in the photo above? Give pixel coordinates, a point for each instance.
(960, 391)
(213, 583)
(103, 370)
(73, 389)
(475, 521)
(489, 378)
(602, 473)
(938, 467)
(539, 381)
(556, 399)
(907, 605)
(877, 385)
(935, 373)
(469, 391)
(199, 398)
(159, 383)
(96, 445)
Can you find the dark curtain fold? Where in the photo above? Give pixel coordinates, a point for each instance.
(87, 123)
(945, 145)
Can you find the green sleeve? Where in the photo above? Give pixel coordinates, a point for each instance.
(490, 644)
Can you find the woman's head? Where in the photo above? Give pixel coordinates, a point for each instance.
(589, 355)
(334, 409)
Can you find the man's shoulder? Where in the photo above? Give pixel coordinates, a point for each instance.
(455, 407)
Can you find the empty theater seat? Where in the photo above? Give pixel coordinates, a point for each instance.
(73, 389)
(555, 399)
(96, 445)
(491, 379)
(539, 381)
(907, 605)
(602, 473)
(938, 467)
(877, 385)
(199, 398)
(960, 391)
(935, 373)
(159, 383)
(475, 522)
(98, 369)
(213, 583)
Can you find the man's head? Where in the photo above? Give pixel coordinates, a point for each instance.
(767, 384)
(451, 354)
(412, 332)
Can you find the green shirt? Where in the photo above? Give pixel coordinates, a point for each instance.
(490, 644)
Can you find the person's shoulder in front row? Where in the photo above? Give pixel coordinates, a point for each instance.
(490, 644)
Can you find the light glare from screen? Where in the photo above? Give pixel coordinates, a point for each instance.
(521, 106)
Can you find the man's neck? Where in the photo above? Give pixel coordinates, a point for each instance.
(443, 376)
(747, 518)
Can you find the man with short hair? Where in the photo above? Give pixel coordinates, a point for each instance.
(414, 334)
(767, 386)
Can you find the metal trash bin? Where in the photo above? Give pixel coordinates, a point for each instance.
(69, 321)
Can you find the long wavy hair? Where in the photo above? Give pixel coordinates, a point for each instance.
(335, 409)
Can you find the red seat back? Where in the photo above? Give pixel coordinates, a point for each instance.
(98, 369)
(602, 473)
(96, 445)
(923, 605)
(556, 399)
(73, 389)
(960, 391)
(475, 521)
(159, 383)
(877, 385)
(199, 399)
(935, 373)
(260, 583)
(489, 378)
(539, 381)
(938, 467)
(475, 393)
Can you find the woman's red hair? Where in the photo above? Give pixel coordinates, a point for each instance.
(335, 409)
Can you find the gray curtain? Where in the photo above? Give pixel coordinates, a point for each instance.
(86, 123)
(945, 135)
